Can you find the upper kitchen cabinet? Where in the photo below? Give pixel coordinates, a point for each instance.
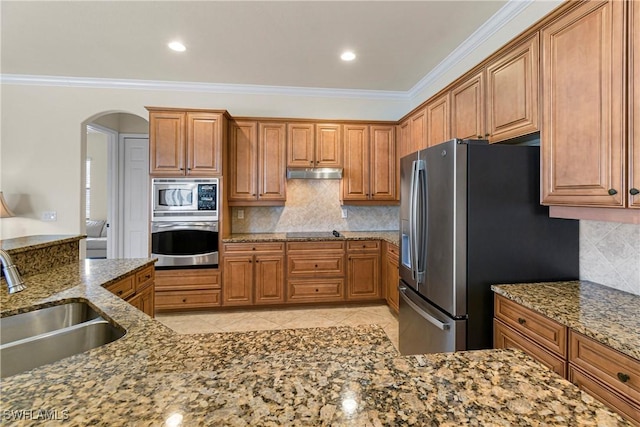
(467, 108)
(512, 92)
(438, 120)
(257, 163)
(370, 164)
(312, 145)
(583, 122)
(418, 129)
(404, 138)
(186, 142)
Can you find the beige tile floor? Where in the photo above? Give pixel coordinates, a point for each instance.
(282, 318)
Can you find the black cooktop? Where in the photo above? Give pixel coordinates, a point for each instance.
(313, 235)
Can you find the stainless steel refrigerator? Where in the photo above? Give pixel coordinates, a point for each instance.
(470, 217)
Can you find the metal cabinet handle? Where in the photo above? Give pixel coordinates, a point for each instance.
(522, 321)
(634, 191)
(612, 192)
(623, 377)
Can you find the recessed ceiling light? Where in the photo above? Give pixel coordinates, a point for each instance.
(348, 56)
(177, 46)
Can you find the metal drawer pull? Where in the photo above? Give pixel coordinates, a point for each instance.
(623, 377)
(522, 321)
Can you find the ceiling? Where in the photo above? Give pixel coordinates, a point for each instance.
(288, 43)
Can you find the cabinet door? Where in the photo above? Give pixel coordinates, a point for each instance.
(238, 280)
(583, 96)
(166, 143)
(363, 276)
(144, 301)
(328, 146)
(269, 270)
(512, 92)
(204, 149)
(404, 138)
(272, 162)
(418, 130)
(391, 278)
(467, 108)
(438, 120)
(383, 163)
(355, 178)
(243, 156)
(634, 105)
(300, 145)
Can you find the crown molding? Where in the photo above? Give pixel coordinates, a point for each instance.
(157, 85)
(501, 18)
(508, 12)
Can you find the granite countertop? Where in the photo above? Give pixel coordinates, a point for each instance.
(27, 243)
(607, 315)
(391, 236)
(324, 376)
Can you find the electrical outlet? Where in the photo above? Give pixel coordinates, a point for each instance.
(240, 213)
(344, 212)
(50, 216)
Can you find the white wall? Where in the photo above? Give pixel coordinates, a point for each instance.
(97, 151)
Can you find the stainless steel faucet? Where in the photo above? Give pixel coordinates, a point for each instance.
(11, 273)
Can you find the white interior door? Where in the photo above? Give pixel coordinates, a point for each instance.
(135, 196)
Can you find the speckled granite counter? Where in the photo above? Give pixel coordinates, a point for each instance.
(28, 243)
(389, 236)
(37, 254)
(328, 376)
(602, 313)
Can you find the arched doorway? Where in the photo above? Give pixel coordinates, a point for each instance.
(115, 198)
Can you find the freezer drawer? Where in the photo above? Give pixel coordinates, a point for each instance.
(425, 329)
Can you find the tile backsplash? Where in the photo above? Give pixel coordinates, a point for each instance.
(314, 205)
(609, 252)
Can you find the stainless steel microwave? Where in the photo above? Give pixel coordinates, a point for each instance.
(184, 199)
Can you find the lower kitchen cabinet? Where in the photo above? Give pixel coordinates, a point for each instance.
(253, 274)
(183, 289)
(315, 271)
(604, 373)
(363, 270)
(137, 289)
(390, 275)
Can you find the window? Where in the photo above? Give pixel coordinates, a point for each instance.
(88, 189)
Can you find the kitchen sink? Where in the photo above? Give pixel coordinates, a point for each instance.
(65, 331)
(36, 322)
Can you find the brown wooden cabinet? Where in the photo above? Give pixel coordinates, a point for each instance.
(404, 138)
(633, 165)
(418, 129)
(390, 275)
(257, 163)
(512, 91)
(253, 273)
(137, 289)
(186, 142)
(610, 376)
(187, 289)
(583, 142)
(438, 120)
(315, 271)
(467, 108)
(363, 270)
(370, 164)
(314, 145)
(606, 374)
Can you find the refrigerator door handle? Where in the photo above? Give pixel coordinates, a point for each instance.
(426, 316)
(421, 220)
(413, 243)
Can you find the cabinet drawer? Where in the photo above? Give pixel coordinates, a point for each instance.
(363, 245)
(253, 247)
(505, 337)
(393, 251)
(123, 288)
(144, 278)
(316, 290)
(187, 299)
(316, 246)
(621, 404)
(315, 265)
(619, 371)
(178, 280)
(542, 330)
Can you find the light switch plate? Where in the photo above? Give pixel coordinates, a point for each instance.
(344, 212)
(240, 213)
(50, 216)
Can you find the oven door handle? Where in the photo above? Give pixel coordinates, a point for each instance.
(169, 226)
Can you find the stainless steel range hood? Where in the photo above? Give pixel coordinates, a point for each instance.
(314, 173)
